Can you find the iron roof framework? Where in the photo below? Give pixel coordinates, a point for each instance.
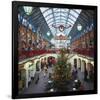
(41, 20)
(60, 16)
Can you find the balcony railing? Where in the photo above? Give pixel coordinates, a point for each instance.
(27, 54)
(86, 52)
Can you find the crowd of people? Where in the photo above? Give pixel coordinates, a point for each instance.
(77, 84)
(47, 63)
(88, 76)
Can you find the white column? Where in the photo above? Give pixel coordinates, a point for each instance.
(87, 68)
(82, 66)
(78, 63)
(27, 78)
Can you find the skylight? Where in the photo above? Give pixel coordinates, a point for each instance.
(60, 16)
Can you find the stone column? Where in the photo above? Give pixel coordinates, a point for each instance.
(82, 66)
(27, 78)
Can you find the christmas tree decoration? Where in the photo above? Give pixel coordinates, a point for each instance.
(62, 71)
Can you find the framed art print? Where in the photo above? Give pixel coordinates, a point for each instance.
(54, 49)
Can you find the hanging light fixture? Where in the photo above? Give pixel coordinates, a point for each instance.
(28, 10)
(79, 27)
(48, 33)
(30, 26)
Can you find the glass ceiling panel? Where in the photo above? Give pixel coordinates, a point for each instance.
(56, 9)
(74, 13)
(44, 9)
(50, 20)
(60, 16)
(73, 18)
(50, 23)
(62, 20)
(47, 12)
(60, 23)
(64, 14)
(57, 23)
(56, 14)
(64, 10)
(77, 10)
(48, 17)
(71, 21)
(57, 19)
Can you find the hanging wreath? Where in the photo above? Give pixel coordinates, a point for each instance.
(61, 28)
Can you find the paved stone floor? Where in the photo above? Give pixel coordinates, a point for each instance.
(88, 85)
(40, 86)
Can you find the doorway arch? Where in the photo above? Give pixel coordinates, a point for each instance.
(84, 70)
(38, 66)
(75, 63)
(90, 69)
(79, 63)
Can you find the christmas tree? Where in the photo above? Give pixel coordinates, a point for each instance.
(62, 71)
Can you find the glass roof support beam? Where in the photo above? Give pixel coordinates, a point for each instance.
(61, 15)
(75, 11)
(54, 18)
(67, 17)
(46, 22)
(84, 19)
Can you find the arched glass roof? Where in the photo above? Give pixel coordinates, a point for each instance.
(60, 16)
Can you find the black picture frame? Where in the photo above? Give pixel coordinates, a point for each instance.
(15, 5)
